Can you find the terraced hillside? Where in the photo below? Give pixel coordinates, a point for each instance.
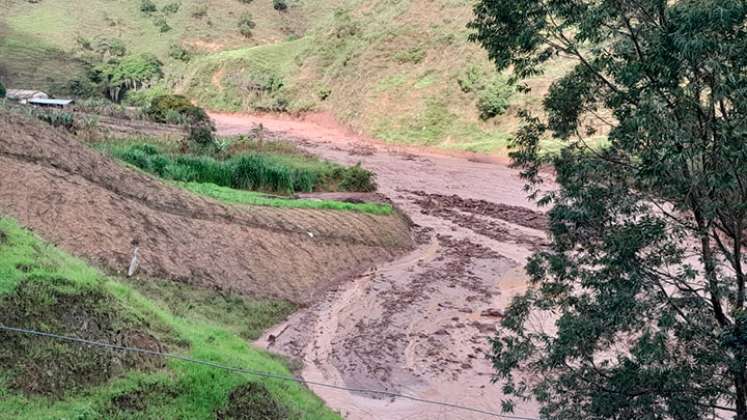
(93, 207)
(401, 70)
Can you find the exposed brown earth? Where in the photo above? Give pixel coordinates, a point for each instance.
(97, 209)
(109, 126)
(418, 325)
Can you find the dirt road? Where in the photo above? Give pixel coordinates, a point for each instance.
(420, 324)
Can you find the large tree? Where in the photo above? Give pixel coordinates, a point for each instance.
(644, 283)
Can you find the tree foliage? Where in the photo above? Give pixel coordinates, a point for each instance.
(177, 109)
(645, 279)
(129, 73)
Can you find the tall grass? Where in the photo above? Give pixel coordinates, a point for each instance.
(251, 171)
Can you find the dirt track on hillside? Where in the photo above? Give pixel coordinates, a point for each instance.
(100, 210)
(418, 325)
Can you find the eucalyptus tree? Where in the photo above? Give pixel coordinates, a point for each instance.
(644, 281)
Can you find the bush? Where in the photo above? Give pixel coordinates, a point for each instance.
(201, 135)
(111, 47)
(472, 80)
(246, 25)
(493, 100)
(147, 6)
(199, 12)
(177, 52)
(163, 107)
(171, 8)
(2, 90)
(413, 55)
(280, 5)
(162, 24)
(358, 179)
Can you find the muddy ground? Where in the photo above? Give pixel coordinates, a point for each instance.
(420, 324)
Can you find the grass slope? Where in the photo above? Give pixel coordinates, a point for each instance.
(388, 68)
(191, 322)
(232, 196)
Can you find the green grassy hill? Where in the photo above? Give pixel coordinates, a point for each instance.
(43, 289)
(398, 69)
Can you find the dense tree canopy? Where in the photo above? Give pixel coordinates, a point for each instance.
(644, 283)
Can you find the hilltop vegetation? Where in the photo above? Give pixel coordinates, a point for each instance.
(399, 70)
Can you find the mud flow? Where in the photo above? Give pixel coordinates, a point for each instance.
(418, 325)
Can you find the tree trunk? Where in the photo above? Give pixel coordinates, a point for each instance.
(741, 397)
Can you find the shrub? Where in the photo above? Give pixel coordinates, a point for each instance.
(2, 90)
(355, 178)
(163, 107)
(280, 5)
(111, 47)
(147, 6)
(493, 100)
(171, 8)
(177, 52)
(324, 93)
(245, 1)
(177, 109)
(413, 55)
(246, 25)
(162, 24)
(201, 135)
(472, 80)
(344, 25)
(199, 12)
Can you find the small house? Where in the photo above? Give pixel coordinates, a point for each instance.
(50, 103)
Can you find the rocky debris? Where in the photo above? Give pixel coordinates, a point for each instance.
(517, 215)
(484, 328)
(492, 312)
(482, 223)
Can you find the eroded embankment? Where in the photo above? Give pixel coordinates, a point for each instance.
(100, 210)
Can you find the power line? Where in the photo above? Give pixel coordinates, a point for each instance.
(255, 372)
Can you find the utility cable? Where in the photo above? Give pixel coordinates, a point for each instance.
(256, 372)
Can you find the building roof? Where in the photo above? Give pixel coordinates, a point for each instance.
(61, 102)
(20, 94)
